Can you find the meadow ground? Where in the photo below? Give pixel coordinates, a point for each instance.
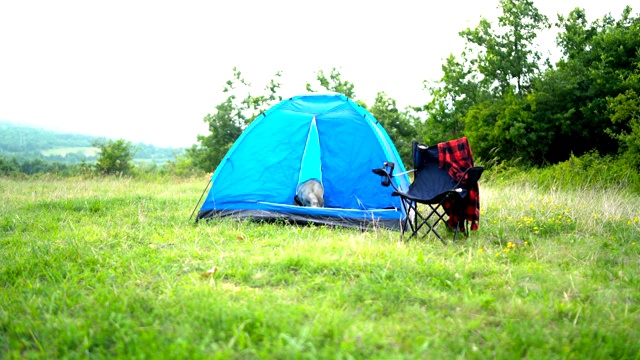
(112, 267)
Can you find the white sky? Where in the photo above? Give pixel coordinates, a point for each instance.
(149, 71)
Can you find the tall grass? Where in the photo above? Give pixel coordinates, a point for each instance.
(111, 267)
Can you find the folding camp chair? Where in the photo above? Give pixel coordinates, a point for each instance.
(439, 193)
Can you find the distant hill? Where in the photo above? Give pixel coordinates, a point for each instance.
(25, 143)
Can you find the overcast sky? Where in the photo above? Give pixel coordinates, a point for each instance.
(149, 71)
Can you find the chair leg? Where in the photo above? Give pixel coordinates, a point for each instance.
(415, 221)
(461, 226)
(439, 217)
(409, 223)
(455, 233)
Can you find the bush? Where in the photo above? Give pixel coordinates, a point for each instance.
(589, 171)
(182, 167)
(9, 167)
(114, 157)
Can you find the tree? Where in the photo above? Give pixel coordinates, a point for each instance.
(114, 156)
(575, 100)
(495, 69)
(232, 116)
(452, 97)
(625, 108)
(398, 125)
(334, 83)
(508, 58)
(9, 167)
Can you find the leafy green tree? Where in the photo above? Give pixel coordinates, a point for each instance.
(38, 166)
(9, 167)
(452, 97)
(511, 106)
(508, 57)
(625, 108)
(334, 83)
(496, 68)
(399, 125)
(225, 128)
(114, 156)
(600, 62)
(505, 129)
(232, 116)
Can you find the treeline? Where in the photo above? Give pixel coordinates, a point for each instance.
(14, 167)
(21, 139)
(37, 148)
(513, 105)
(113, 157)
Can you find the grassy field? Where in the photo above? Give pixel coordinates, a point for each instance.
(112, 267)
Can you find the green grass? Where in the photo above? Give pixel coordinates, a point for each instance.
(111, 267)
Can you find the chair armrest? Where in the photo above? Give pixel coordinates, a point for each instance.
(386, 172)
(470, 176)
(405, 172)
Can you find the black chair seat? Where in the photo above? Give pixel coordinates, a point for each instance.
(435, 199)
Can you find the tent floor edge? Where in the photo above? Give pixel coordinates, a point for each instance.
(288, 218)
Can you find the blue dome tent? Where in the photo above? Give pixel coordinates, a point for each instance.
(327, 137)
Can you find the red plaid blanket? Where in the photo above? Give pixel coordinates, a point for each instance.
(456, 157)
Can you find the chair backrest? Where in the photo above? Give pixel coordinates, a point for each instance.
(429, 179)
(472, 176)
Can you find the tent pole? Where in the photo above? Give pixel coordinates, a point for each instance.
(199, 200)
